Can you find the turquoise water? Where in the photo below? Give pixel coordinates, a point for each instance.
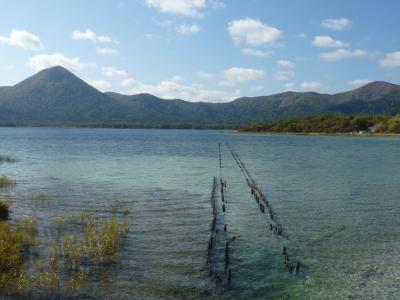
(337, 198)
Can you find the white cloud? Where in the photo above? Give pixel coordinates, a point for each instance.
(100, 84)
(188, 29)
(358, 82)
(256, 53)
(43, 61)
(324, 41)
(187, 8)
(113, 72)
(253, 33)
(310, 85)
(343, 53)
(284, 75)
(174, 89)
(241, 75)
(22, 39)
(391, 60)
(107, 51)
(336, 24)
(89, 35)
(286, 64)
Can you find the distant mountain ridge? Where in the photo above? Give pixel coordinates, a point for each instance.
(56, 97)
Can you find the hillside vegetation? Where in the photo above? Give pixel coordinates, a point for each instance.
(330, 123)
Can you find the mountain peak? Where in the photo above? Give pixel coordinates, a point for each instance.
(374, 90)
(55, 72)
(380, 85)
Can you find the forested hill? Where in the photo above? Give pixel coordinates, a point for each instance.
(330, 123)
(56, 97)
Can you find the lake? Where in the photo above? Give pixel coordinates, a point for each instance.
(336, 197)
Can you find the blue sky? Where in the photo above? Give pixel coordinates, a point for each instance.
(204, 50)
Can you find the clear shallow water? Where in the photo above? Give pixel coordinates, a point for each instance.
(337, 198)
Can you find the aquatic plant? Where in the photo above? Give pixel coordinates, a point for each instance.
(43, 197)
(7, 159)
(80, 245)
(43, 200)
(15, 244)
(4, 209)
(95, 241)
(5, 181)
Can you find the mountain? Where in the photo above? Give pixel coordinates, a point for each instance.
(56, 97)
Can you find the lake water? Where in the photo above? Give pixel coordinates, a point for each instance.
(337, 198)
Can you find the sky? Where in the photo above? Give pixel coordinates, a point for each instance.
(204, 50)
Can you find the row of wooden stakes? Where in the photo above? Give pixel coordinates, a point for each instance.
(227, 273)
(292, 266)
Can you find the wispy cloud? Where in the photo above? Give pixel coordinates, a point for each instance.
(113, 72)
(310, 85)
(107, 51)
(22, 39)
(187, 29)
(336, 24)
(391, 60)
(289, 86)
(301, 35)
(204, 75)
(256, 53)
(344, 53)
(358, 82)
(187, 8)
(241, 75)
(43, 61)
(284, 75)
(324, 41)
(100, 84)
(90, 35)
(286, 64)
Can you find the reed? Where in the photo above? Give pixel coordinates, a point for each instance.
(7, 159)
(43, 198)
(4, 209)
(81, 244)
(5, 181)
(15, 244)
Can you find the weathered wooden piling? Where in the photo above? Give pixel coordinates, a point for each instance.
(262, 201)
(226, 260)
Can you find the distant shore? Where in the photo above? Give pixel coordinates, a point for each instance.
(353, 134)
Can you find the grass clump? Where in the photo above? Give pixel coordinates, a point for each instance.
(15, 245)
(7, 159)
(4, 209)
(5, 181)
(79, 247)
(87, 240)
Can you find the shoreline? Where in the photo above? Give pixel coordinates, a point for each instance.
(346, 134)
